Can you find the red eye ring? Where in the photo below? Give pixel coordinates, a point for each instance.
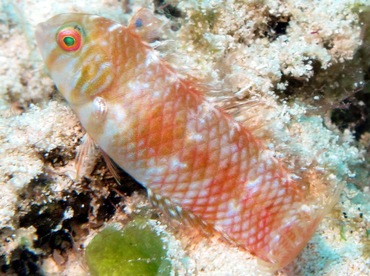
(69, 39)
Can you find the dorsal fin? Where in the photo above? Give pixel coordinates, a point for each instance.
(146, 25)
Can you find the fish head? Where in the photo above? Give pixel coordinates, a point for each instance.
(73, 47)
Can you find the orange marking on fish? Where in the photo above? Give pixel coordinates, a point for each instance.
(155, 124)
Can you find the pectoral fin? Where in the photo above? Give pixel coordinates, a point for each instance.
(86, 157)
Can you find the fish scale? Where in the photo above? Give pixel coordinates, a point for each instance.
(197, 162)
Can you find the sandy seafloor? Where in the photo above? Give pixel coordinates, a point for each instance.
(308, 62)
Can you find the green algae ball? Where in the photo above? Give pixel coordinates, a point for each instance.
(137, 249)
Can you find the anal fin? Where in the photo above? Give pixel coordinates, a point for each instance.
(175, 213)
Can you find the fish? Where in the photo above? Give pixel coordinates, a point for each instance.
(196, 161)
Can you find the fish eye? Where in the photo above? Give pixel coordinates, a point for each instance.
(69, 38)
